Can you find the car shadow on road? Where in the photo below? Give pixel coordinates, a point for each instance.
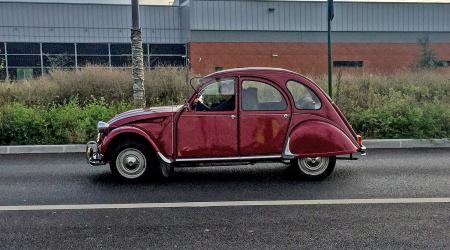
(227, 175)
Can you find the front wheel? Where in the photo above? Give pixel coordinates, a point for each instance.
(314, 168)
(131, 161)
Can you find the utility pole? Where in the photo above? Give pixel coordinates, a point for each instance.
(137, 57)
(330, 66)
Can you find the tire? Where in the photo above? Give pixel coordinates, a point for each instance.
(315, 168)
(133, 160)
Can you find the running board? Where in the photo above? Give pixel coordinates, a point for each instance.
(242, 158)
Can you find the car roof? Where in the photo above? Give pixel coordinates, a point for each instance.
(250, 71)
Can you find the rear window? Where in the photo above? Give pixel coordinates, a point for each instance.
(304, 97)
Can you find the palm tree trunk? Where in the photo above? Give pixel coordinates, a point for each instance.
(137, 58)
(138, 69)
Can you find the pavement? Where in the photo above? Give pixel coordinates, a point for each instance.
(296, 221)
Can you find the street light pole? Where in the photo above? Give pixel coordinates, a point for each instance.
(137, 57)
(330, 67)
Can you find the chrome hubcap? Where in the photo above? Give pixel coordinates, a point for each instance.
(313, 165)
(131, 163)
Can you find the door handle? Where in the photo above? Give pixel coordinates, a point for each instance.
(233, 116)
(285, 116)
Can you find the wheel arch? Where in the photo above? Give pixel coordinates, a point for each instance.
(316, 138)
(127, 133)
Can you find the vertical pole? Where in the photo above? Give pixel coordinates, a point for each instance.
(6, 62)
(42, 59)
(330, 73)
(137, 57)
(76, 56)
(135, 14)
(148, 55)
(109, 56)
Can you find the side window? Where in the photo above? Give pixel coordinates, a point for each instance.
(303, 96)
(217, 96)
(261, 96)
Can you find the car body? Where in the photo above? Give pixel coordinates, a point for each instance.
(236, 115)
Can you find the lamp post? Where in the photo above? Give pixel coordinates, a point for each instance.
(330, 66)
(137, 57)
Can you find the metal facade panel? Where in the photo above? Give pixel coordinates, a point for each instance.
(47, 22)
(316, 37)
(311, 16)
(185, 24)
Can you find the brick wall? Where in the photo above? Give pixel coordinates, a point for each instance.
(307, 58)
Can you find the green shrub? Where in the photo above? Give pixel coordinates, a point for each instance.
(395, 121)
(20, 124)
(54, 124)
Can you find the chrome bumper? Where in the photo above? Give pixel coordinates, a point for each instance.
(355, 156)
(362, 151)
(94, 158)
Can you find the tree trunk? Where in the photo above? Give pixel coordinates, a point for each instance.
(138, 68)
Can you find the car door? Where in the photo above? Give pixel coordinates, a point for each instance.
(209, 128)
(264, 118)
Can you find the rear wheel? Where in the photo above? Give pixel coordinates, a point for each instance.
(132, 160)
(314, 168)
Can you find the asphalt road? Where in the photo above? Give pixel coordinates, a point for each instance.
(66, 179)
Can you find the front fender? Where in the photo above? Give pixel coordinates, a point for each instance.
(106, 143)
(317, 138)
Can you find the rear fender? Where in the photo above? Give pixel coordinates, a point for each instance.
(317, 138)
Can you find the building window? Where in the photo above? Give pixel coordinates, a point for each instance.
(121, 61)
(3, 74)
(167, 61)
(24, 60)
(58, 48)
(92, 49)
(23, 48)
(2, 48)
(93, 60)
(443, 64)
(348, 64)
(59, 61)
(121, 49)
(167, 49)
(2, 65)
(145, 48)
(218, 68)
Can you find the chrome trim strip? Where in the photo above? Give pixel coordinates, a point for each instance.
(260, 114)
(229, 158)
(164, 159)
(190, 115)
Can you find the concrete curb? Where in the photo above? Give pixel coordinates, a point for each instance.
(370, 144)
(43, 149)
(407, 143)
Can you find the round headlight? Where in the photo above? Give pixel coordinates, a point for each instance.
(102, 127)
